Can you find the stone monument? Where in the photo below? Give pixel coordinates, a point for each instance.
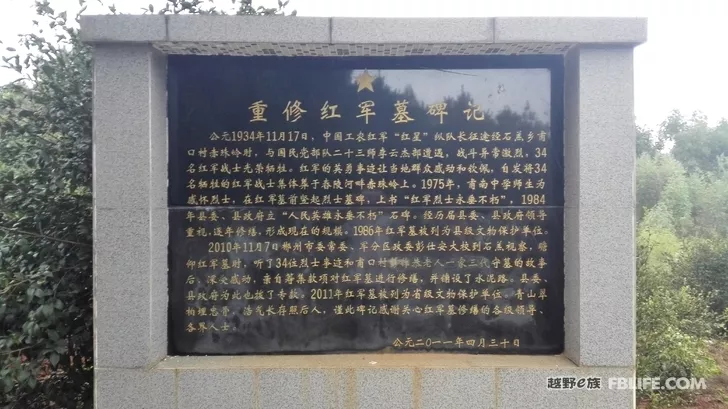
(355, 212)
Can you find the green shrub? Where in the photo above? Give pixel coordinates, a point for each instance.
(722, 324)
(706, 265)
(674, 320)
(673, 328)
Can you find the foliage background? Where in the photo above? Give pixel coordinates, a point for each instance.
(682, 249)
(46, 315)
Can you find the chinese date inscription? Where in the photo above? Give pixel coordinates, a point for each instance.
(330, 208)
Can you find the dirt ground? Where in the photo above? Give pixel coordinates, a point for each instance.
(715, 396)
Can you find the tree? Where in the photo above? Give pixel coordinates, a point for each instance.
(671, 126)
(647, 143)
(653, 174)
(697, 145)
(46, 342)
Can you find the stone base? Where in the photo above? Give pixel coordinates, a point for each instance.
(358, 381)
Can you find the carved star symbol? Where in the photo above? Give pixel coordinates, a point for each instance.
(365, 81)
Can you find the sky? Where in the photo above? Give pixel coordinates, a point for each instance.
(682, 66)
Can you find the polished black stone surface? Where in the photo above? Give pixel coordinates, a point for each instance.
(396, 202)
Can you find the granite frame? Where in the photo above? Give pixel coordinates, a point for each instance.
(131, 231)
